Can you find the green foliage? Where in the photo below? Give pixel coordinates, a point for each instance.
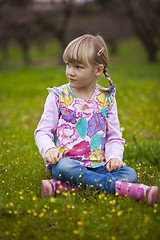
(83, 215)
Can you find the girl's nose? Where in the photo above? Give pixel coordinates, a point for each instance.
(70, 71)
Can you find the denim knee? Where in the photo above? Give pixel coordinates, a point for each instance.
(131, 175)
(64, 167)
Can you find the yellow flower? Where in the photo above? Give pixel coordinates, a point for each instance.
(79, 223)
(113, 238)
(137, 237)
(119, 213)
(76, 231)
(41, 215)
(84, 212)
(100, 196)
(55, 211)
(52, 199)
(29, 211)
(11, 204)
(21, 197)
(65, 194)
(34, 198)
(146, 219)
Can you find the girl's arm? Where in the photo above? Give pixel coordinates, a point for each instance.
(44, 134)
(115, 143)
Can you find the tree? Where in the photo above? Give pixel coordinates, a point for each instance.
(145, 17)
(15, 25)
(25, 25)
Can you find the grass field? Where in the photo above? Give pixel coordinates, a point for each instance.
(84, 215)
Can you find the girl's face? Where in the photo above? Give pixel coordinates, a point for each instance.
(81, 76)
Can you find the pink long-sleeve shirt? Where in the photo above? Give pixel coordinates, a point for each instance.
(86, 131)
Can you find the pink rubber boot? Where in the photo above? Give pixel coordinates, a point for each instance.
(50, 187)
(137, 191)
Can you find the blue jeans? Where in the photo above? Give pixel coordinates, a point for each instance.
(98, 178)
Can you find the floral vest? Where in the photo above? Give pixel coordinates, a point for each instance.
(81, 130)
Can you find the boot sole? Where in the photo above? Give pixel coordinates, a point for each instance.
(46, 188)
(153, 195)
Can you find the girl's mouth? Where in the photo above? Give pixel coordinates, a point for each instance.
(71, 80)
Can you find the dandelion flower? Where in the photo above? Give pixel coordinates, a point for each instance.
(137, 237)
(11, 204)
(146, 219)
(34, 198)
(76, 231)
(41, 215)
(80, 223)
(52, 199)
(113, 238)
(119, 213)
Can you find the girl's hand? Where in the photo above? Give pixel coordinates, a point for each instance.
(114, 164)
(53, 155)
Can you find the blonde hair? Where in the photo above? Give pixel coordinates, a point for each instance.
(85, 49)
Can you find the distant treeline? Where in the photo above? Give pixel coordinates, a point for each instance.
(25, 22)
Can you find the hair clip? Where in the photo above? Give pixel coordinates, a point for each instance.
(99, 53)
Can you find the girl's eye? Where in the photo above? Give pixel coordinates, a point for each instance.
(68, 64)
(79, 67)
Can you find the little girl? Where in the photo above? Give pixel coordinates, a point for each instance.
(78, 134)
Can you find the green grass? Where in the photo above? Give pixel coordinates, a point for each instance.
(84, 215)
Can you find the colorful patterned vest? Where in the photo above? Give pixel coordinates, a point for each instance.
(81, 130)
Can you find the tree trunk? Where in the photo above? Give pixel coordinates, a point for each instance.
(144, 28)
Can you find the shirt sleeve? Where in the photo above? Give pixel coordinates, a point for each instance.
(44, 134)
(115, 143)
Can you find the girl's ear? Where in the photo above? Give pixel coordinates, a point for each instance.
(99, 70)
